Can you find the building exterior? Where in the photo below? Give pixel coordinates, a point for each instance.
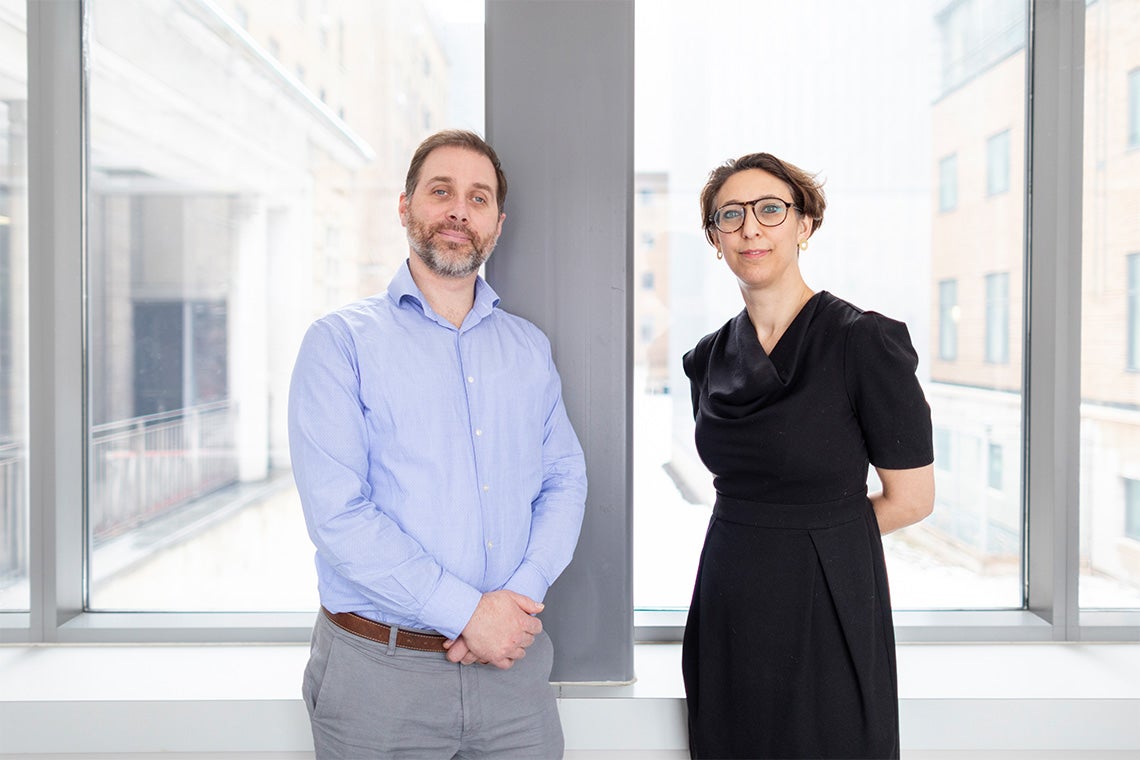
(651, 280)
(978, 281)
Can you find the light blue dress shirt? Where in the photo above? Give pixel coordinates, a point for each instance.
(433, 463)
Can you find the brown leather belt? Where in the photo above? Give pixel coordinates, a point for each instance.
(380, 633)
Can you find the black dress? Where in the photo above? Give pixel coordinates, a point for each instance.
(789, 648)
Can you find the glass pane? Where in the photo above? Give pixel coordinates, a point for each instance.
(1110, 311)
(914, 227)
(14, 588)
(245, 167)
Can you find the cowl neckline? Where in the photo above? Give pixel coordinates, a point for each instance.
(743, 378)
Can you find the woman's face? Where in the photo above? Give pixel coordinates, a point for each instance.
(761, 256)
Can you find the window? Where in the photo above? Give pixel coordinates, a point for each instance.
(943, 452)
(953, 119)
(1133, 329)
(948, 320)
(996, 473)
(997, 318)
(1110, 315)
(1132, 509)
(976, 35)
(976, 534)
(14, 580)
(997, 163)
(1134, 108)
(210, 253)
(948, 183)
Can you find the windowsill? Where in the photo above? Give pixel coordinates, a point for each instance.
(140, 698)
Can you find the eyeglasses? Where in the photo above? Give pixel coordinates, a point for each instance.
(770, 212)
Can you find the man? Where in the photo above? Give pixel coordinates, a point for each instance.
(443, 487)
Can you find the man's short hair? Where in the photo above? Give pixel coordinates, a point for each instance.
(458, 138)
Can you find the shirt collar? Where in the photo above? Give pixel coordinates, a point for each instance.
(403, 288)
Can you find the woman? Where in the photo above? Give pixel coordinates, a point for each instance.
(789, 646)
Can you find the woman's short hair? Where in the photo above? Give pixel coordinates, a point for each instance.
(807, 192)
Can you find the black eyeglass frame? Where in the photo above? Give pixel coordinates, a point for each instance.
(715, 216)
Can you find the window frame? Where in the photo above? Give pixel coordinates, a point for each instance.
(1051, 368)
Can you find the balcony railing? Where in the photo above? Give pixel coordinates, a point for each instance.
(13, 511)
(144, 467)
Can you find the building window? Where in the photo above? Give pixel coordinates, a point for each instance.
(1134, 108)
(948, 183)
(997, 164)
(948, 320)
(995, 466)
(647, 280)
(997, 318)
(1132, 509)
(942, 449)
(1133, 336)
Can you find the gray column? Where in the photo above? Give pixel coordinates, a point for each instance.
(55, 316)
(560, 115)
(1053, 341)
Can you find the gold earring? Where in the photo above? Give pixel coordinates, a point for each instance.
(719, 255)
(803, 245)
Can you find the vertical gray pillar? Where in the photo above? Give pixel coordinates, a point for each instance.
(560, 115)
(1054, 312)
(56, 396)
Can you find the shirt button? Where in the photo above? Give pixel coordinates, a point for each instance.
(470, 379)
(490, 545)
(478, 432)
(486, 488)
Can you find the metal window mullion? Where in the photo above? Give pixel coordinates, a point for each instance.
(1053, 311)
(56, 396)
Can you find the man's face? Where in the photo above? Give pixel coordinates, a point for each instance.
(452, 217)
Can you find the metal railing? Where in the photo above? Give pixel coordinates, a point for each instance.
(13, 510)
(146, 466)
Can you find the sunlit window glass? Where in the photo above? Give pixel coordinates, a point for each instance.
(911, 230)
(997, 163)
(1133, 324)
(1134, 108)
(1110, 311)
(231, 204)
(1132, 509)
(948, 320)
(14, 588)
(948, 183)
(997, 318)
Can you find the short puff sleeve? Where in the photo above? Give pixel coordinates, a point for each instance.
(880, 364)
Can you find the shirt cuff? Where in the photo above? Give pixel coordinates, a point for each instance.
(528, 581)
(451, 606)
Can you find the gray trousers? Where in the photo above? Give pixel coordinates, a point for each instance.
(368, 701)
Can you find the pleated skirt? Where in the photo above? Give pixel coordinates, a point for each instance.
(789, 647)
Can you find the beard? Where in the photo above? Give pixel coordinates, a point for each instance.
(448, 258)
